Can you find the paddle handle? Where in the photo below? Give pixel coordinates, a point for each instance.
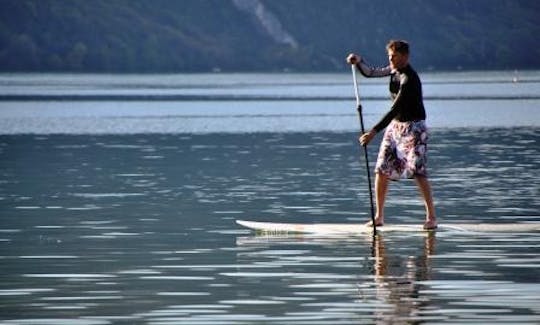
(355, 82)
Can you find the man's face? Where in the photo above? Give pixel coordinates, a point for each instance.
(397, 60)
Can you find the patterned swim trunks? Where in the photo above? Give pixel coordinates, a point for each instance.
(403, 151)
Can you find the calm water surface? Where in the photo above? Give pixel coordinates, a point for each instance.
(133, 223)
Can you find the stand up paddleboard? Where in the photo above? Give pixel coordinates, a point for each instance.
(349, 229)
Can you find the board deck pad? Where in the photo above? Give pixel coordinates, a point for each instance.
(357, 228)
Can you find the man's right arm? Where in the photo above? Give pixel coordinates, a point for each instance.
(365, 69)
(371, 72)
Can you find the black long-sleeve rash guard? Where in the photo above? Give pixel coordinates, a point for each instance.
(405, 91)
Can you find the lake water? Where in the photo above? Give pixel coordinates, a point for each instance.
(119, 194)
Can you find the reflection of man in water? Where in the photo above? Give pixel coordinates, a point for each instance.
(400, 291)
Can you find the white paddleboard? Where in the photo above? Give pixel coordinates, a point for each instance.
(357, 228)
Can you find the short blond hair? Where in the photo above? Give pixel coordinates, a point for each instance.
(400, 46)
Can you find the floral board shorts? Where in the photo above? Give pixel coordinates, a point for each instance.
(403, 151)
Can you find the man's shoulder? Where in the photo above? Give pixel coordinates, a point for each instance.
(410, 73)
(409, 70)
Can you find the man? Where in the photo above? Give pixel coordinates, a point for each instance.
(402, 153)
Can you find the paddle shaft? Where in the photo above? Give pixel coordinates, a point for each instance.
(359, 110)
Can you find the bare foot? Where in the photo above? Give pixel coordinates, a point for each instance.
(378, 222)
(430, 224)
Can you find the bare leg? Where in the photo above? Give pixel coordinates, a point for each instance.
(381, 188)
(425, 190)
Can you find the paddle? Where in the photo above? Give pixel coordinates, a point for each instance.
(359, 110)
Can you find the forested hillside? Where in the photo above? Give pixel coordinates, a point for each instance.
(263, 35)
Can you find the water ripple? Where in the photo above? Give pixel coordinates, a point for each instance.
(100, 234)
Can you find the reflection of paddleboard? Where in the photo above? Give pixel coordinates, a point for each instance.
(354, 229)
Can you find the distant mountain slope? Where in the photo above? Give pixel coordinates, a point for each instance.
(263, 35)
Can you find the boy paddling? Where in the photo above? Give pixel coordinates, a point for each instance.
(403, 151)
